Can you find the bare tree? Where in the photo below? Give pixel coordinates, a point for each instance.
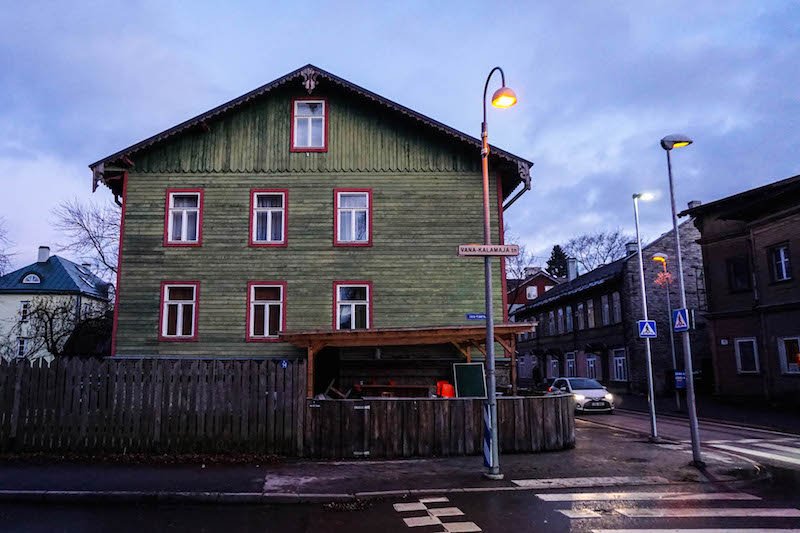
(93, 233)
(594, 249)
(5, 244)
(516, 265)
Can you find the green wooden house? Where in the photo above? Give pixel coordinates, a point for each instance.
(308, 218)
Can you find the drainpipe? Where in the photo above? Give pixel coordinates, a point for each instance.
(763, 360)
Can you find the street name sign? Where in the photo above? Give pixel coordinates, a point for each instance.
(680, 380)
(680, 320)
(647, 329)
(470, 250)
(476, 316)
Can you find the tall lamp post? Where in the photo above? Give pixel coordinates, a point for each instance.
(651, 400)
(662, 258)
(502, 98)
(669, 143)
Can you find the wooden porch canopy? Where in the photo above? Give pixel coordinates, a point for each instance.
(463, 338)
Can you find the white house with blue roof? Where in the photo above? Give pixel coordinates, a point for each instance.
(41, 303)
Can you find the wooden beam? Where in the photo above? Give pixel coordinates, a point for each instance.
(503, 343)
(514, 366)
(310, 374)
(469, 353)
(460, 349)
(480, 349)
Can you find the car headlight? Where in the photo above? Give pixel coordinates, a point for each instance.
(580, 397)
(609, 397)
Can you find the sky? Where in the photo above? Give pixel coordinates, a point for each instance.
(599, 84)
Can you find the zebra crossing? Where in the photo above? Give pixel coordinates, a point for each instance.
(435, 511)
(784, 450)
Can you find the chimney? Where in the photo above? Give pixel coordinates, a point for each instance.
(694, 203)
(87, 266)
(631, 248)
(572, 268)
(44, 254)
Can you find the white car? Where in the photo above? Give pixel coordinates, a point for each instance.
(589, 394)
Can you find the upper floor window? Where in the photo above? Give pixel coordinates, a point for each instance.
(353, 304)
(605, 311)
(268, 217)
(568, 317)
(31, 278)
(179, 310)
(265, 310)
(746, 355)
(789, 352)
(353, 217)
(309, 125)
(184, 217)
(580, 317)
(24, 310)
(532, 292)
(560, 320)
(780, 264)
(617, 307)
(590, 314)
(738, 273)
(551, 323)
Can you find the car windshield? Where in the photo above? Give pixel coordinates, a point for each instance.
(582, 384)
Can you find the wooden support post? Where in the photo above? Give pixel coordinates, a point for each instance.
(310, 373)
(514, 365)
(469, 353)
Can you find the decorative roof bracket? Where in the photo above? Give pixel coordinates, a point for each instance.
(309, 78)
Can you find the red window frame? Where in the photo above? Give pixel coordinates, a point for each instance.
(250, 285)
(199, 242)
(324, 147)
(336, 241)
(165, 338)
(336, 285)
(285, 242)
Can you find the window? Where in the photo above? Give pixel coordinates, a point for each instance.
(738, 273)
(352, 305)
(617, 307)
(532, 292)
(179, 310)
(353, 217)
(24, 310)
(591, 366)
(570, 364)
(780, 265)
(266, 311)
(309, 125)
(619, 366)
(554, 370)
(746, 355)
(268, 217)
(580, 318)
(22, 345)
(31, 278)
(590, 314)
(184, 223)
(560, 320)
(568, 317)
(789, 352)
(606, 315)
(551, 323)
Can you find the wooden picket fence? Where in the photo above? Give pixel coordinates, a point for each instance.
(153, 405)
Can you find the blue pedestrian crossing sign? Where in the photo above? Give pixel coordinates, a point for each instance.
(680, 320)
(647, 329)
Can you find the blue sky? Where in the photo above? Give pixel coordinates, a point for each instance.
(599, 84)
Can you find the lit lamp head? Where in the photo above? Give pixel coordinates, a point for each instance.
(504, 97)
(644, 196)
(676, 140)
(660, 258)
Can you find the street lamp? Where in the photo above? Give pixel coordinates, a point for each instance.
(662, 258)
(668, 143)
(504, 97)
(651, 400)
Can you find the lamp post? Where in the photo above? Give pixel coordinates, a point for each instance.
(651, 400)
(502, 98)
(662, 258)
(669, 143)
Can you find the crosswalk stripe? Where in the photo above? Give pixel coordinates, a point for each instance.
(461, 527)
(709, 513)
(780, 448)
(582, 482)
(726, 530)
(758, 453)
(603, 496)
(580, 513)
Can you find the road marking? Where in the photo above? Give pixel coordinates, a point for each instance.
(757, 453)
(709, 513)
(405, 507)
(602, 496)
(583, 482)
(726, 530)
(461, 527)
(418, 521)
(438, 499)
(780, 448)
(575, 514)
(445, 511)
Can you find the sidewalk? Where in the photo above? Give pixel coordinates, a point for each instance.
(600, 452)
(710, 408)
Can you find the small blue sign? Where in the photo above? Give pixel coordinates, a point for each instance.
(680, 380)
(647, 329)
(476, 316)
(284, 363)
(680, 320)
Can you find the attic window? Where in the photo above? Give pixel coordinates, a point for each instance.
(31, 278)
(87, 282)
(309, 125)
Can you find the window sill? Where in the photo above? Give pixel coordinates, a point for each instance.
(283, 244)
(748, 372)
(162, 338)
(168, 244)
(298, 150)
(339, 244)
(263, 339)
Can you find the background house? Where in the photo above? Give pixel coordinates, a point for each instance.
(750, 242)
(536, 282)
(41, 304)
(587, 326)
